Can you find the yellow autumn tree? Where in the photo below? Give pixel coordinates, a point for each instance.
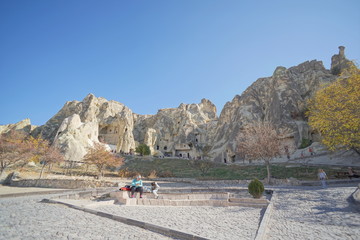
(335, 111)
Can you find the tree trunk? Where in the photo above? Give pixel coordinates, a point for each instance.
(268, 171)
(2, 170)
(42, 170)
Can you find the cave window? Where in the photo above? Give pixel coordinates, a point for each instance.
(196, 140)
(157, 147)
(165, 148)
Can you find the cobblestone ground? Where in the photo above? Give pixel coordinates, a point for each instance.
(26, 218)
(314, 213)
(298, 213)
(210, 222)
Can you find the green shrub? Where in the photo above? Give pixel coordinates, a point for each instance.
(256, 188)
(143, 149)
(305, 143)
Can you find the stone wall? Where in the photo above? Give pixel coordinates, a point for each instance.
(61, 183)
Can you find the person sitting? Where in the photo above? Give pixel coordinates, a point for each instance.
(137, 185)
(352, 173)
(154, 188)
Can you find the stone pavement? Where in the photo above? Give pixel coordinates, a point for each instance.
(26, 218)
(314, 213)
(303, 212)
(6, 191)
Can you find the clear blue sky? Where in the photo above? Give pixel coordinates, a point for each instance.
(157, 54)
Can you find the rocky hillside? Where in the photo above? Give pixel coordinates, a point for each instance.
(187, 130)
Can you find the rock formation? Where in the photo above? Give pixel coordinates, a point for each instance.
(74, 137)
(94, 118)
(339, 62)
(24, 126)
(181, 131)
(280, 99)
(187, 130)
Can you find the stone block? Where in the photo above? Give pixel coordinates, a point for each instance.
(219, 196)
(146, 201)
(174, 203)
(175, 196)
(197, 196)
(119, 219)
(135, 223)
(196, 203)
(88, 210)
(158, 229)
(218, 203)
(157, 202)
(131, 202)
(163, 202)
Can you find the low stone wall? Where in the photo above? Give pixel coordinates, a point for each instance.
(219, 199)
(61, 183)
(274, 181)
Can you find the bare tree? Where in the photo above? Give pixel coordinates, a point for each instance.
(48, 156)
(203, 165)
(205, 151)
(15, 150)
(101, 158)
(260, 141)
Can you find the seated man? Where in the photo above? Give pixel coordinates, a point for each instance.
(137, 186)
(352, 173)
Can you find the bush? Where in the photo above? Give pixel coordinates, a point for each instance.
(143, 149)
(305, 143)
(256, 188)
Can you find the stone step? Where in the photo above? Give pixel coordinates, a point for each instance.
(187, 199)
(250, 200)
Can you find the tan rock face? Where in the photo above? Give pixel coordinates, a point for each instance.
(280, 99)
(97, 118)
(24, 125)
(75, 137)
(178, 131)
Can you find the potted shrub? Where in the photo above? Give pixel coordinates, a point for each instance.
(256, 188)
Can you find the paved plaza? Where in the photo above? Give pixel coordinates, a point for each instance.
(297, 213)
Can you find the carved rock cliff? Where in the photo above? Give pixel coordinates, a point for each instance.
(187, 130)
